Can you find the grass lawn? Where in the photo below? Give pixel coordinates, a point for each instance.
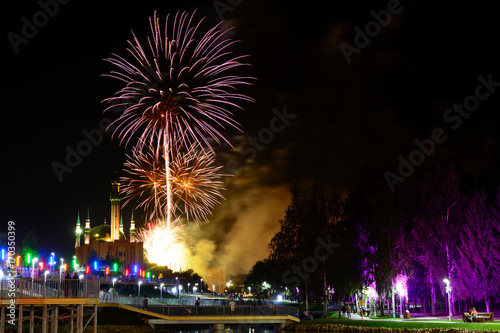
(458, 324)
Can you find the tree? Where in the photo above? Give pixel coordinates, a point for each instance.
(436, 221)
(478, 267)
(381, 239)
(306, 243)
(29, 245)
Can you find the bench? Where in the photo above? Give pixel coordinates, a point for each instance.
(481, 317)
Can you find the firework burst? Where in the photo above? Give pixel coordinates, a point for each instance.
(179, 89)
(164, 244)
(196, 183)
(179, 86)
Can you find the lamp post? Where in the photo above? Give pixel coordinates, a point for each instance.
(33, 269)
(188, 287)
(180, 288)
(52, 262)
(213, 290)
(139, 290)
(45, 281)
(33, 272)
(201, 285)
(249, 288)
(448, 291)
(161, 291)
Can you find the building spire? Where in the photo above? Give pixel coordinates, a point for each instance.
(78, 231)
(114, 198)
(132, 228)
(87, 227)
(121, 224)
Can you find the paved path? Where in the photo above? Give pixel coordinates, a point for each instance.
(416, 319)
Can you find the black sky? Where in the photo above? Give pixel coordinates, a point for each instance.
(366, 112)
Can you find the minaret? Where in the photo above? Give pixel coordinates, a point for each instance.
(114, 197)
(132, 228)
(78, 231)
(121, 224)
(87, 227)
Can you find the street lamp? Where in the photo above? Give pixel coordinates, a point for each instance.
(213, 290)
(448, 291)
(161, 290)
(201, 285)
(188, 287)
(139, 290)
(33, 269)
(114, 280)
(44, 281)
(180, 288)
(60, 271)
(194, 290)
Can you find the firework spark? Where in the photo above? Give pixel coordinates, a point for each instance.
(164, 244)
(178, 92)
(179, 87)
(196, 183)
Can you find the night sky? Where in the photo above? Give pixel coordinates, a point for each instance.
(343, 115)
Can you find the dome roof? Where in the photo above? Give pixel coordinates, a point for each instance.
(103, 232)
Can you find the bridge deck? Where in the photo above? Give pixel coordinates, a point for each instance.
(191, 319)
(52, 301)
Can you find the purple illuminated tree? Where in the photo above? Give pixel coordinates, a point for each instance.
(478, 267)
(437, 218)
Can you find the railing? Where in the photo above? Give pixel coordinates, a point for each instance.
(221, 310)
(48, 288)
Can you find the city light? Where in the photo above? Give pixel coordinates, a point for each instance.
(448, 291)
(161, 290)
(139, 290)
(33, 270)
(114, 280)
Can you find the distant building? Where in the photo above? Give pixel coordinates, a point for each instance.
(216, 277)
(108, 241)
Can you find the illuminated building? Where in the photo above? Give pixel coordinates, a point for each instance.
(216, 277)
(108, 242)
